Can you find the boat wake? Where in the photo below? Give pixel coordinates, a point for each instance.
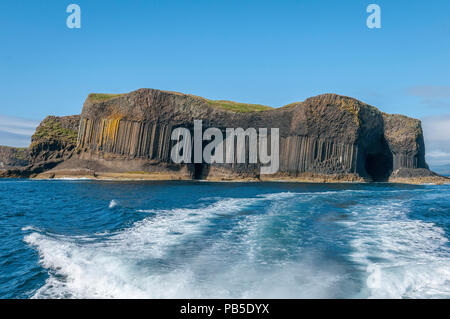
(278, 245)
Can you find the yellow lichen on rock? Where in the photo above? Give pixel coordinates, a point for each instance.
(351, 106)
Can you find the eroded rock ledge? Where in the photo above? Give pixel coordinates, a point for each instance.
(327, 138)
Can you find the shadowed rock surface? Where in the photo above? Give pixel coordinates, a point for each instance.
(11, 157)
(54, 141)
(325, 138)
(55, 138)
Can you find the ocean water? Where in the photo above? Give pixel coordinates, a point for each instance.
(89, 239)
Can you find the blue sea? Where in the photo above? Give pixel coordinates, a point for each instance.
(90, 239)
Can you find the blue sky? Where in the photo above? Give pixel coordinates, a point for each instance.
(267, 52)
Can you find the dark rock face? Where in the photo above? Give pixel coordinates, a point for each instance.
(11, 157)
(325, 135)
(53, 142)
(55, 138)
(405, 138)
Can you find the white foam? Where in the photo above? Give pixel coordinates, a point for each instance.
(149, 260)
(249, 272)
(282, 195)
(402, 257)
(30, 228)
(126, 264)
(109, 267)
(113, 203)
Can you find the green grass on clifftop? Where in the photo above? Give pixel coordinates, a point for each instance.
(101, 97)
(238, 107)
(21, 153)
(52, 129)
(220, 104)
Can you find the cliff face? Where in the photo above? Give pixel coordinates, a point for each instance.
(325, 138)
(55, 138)
(53, 142)
(11, 157)
(327, 135)
(405, 138)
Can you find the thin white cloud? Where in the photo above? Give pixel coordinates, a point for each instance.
(17, 121)
(437, 139)
(15, 131)
(430, 91)
(431, 96)
(438, 154)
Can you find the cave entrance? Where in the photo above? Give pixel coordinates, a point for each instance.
(379, 166)
(198, 171)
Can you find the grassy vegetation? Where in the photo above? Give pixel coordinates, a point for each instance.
(289, 105)
(52, 129)
(21, 153)
(221, 104)
(101, 97)
(238, 107)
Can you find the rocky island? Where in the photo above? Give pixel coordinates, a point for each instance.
(327, 138)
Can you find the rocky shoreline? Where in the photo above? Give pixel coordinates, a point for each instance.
(139, 176)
